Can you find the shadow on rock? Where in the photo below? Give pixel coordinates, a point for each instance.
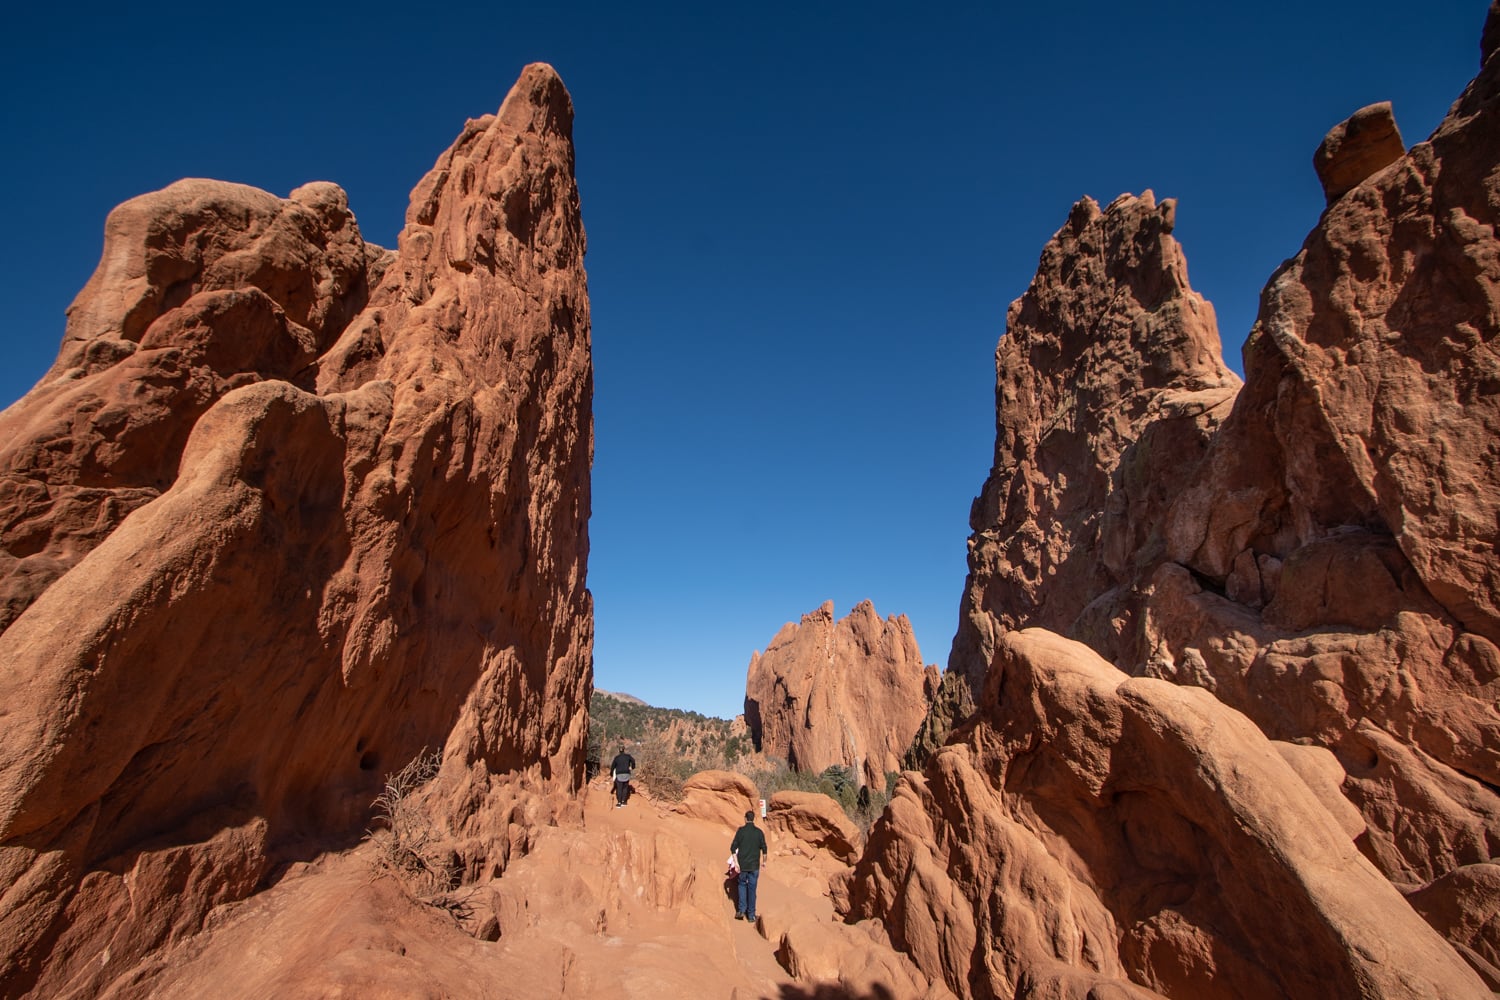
(830, 991)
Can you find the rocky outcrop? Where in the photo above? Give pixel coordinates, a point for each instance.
(719, 797)
(1322, 558)
(288, 509)
(1109, 383)
(1367, 141)
(815, 820)
(1332, 567)
(1092, 834)
(850, 693)
(838, 960)
(203, 287)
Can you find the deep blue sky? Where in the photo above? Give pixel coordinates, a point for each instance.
(805, 222)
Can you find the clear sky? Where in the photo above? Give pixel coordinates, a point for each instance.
(805, 223)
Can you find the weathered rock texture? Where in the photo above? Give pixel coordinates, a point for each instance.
(815, 820)
(1354, 149)
(1092, 834)
(288, 509)
(1109, 383)
(718, 796)
(850, 693)
(1332, 567)
(1322, 558)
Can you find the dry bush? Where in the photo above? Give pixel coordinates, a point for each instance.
(407, 848)
(860, 803)
(661, 768)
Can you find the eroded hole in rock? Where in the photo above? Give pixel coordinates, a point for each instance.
(369, 760)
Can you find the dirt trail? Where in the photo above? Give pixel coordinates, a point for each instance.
(633, 905)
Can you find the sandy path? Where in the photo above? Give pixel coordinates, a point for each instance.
(630, 907)
(793, 887)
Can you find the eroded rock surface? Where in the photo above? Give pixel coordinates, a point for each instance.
(288, 509)
(816, 820)
(1109, 382)
(1332, 568)
(1319, 554)
(1093, 834)
(850, 693)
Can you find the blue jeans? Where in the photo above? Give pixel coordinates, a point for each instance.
(747, 892)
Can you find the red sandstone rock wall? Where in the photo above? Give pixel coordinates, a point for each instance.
(1107, 346)
(1091, 834)
(1321, 558)
(288, 509)
(850, 693)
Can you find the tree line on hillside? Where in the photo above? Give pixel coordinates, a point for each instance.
(671, 745)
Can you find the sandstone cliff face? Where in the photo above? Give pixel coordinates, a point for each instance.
(1091, 834)
(850, 693)
(287, 509)
(1321, 557)
(1332, 567)
(1108, 380)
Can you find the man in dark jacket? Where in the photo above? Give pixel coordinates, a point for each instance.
(749, 846)
(620, 768)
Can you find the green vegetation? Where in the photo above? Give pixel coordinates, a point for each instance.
(861, 803)
(671, 745)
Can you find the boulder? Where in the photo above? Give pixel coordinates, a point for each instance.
(847, 961)
(719, 797)
(1366, 142)
(287, 510)
(817, 821)
(1090, 834)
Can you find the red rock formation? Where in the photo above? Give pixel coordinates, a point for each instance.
(203, 287)
(266, 539)
(1366, 142)
(1108, 380)
(1324, 562)
(719, 797)
(1334, 569)
(1091, 834)
(816, 820)
(849, 694)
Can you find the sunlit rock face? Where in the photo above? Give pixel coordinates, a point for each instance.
(849, 693)
(1312, 561)
(1091, 834)
(1109, 384)
(288, 509)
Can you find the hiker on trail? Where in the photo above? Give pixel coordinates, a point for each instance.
(749, 847)
(620, 769)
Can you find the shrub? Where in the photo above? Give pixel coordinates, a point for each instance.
(406, 847)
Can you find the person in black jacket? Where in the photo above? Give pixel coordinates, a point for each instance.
(620, 769)
(749, 846)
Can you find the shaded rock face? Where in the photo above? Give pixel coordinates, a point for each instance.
(1319, 555)
(288, 509)
(850, 693)
(1092, 834)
